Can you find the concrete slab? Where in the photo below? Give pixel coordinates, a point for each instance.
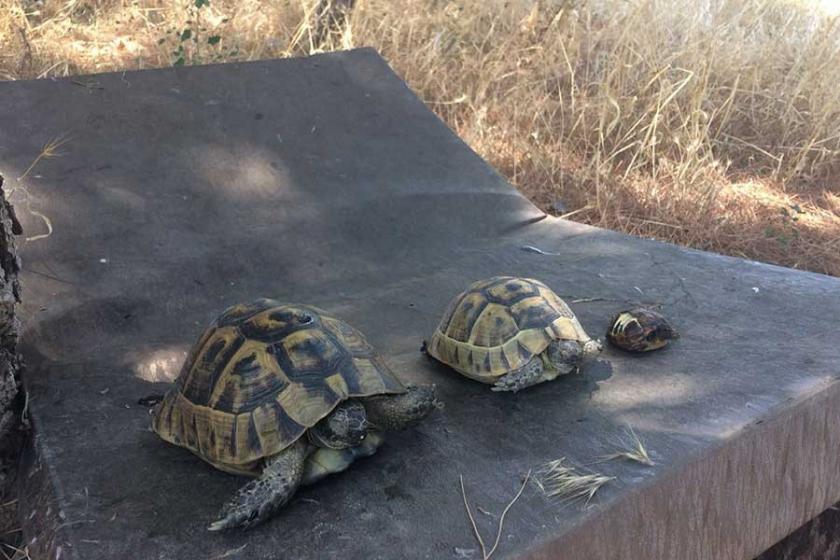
(326, 180)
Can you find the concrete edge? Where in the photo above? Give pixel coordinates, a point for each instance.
(795, 473)
(40, 515)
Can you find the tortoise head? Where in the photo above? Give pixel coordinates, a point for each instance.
(641, 330)
(566, 356)
(346, 426)
(591, 349)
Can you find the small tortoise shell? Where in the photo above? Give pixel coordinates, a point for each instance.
(497, 326)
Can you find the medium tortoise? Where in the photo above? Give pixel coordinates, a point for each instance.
(640, 330)
(512, 333)
(287, 394)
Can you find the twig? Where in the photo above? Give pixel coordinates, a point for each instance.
(46, 221)
(654, 222)
(502, 518)
(457, 101)
(484, 554)
(26, 59)
(73, 523)
(472, 520)
(575, 212)
(20, 554)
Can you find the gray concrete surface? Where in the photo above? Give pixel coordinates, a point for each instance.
(327, 181)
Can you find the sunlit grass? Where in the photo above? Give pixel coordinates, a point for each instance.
(712, 123)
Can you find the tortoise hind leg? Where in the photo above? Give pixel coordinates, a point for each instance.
(260, 498)
(530, 374)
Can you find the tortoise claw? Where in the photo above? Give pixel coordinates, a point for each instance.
(261, 497)
(235, 517)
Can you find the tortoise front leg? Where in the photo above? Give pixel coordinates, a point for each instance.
(530, 374)
(260, 498)
(392, 413)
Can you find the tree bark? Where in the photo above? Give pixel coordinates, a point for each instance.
(9, 324)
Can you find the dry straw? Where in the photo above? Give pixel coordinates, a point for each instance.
(50, 150)
(20, 195)
(631, 449)
(710, 123)
(485, 554)
(558, 479)
(14, 553)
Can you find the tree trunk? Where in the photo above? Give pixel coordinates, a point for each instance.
(12, 404)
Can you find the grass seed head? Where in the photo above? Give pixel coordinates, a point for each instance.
(558, 479)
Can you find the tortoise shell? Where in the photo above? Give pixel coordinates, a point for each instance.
(260, 376)
(497, 325)
(640, 330)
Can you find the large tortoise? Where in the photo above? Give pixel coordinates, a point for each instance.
(512, 333)
(287, 394)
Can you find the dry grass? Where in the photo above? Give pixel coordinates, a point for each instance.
(50, 150)
(14, 553)
(485, 554)
(711, 123)
(558, 479)
(631, 448)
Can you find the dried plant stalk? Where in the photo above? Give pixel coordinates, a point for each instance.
(484, 553)
(631, 449)
(557, 479)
